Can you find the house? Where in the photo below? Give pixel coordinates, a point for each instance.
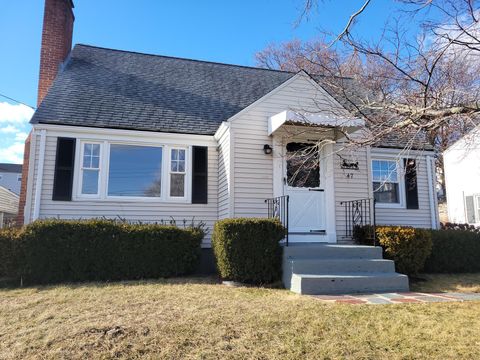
(10, 181)
(146, 137)
(462, 179)
(8, 206)
(11, 177)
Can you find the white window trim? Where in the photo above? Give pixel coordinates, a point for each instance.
(401, 183)
(476, 207)
(79, 169)
(104, 172)
(476, 203)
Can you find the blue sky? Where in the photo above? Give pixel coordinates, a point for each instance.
(216, 30)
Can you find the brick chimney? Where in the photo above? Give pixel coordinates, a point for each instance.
(56, 41)
(56, 44)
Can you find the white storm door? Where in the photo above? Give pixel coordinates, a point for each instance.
(306, 212)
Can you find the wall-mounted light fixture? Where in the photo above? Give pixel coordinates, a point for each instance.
(267, 149)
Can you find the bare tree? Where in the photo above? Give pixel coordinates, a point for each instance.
(418, 87)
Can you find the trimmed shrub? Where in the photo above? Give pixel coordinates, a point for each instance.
(52, 251)
(455, 226)
(248, 249)
(409, 247)
(363, 235)
(454, 251)
(7, 253)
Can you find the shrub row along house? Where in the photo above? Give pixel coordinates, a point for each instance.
(146, 137)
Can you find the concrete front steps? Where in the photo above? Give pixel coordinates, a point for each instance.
(317, 269)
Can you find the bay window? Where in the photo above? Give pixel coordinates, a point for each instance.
(133, 171)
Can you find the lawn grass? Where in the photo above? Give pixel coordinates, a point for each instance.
(447, 283)
(200, 319)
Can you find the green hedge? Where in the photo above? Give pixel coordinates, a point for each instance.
(409, 247)
(52, 251)
(454, 251)
(7, 254)
(456, 226)
(247, 249)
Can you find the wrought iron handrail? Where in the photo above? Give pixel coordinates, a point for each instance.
(359, 213)
(278, 209)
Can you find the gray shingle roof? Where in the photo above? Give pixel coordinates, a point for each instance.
(118, 89)
(11, 168)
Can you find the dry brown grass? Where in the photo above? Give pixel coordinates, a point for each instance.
(466, 283)
(194, 318)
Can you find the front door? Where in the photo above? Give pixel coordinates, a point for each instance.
(303, 184)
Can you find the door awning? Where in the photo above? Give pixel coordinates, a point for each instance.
(289, 117)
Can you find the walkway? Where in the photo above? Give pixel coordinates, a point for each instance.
(397, 298)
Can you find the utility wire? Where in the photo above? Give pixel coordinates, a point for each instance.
(17, 101)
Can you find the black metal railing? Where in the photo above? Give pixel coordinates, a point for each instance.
(278, 209)
(360, 213)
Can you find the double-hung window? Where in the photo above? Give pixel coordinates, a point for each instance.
(472, 208)
(90, 169)
(177, 172)
(386, 181)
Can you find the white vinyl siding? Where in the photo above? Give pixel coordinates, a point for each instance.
(349, 184)
(8, 201)
(253, 169)
(8, 205)
(149, 211)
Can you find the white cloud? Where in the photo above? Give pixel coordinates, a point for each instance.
(14, 129)
(21, 136)
(14, 114)
(12, 153)
(9, 129)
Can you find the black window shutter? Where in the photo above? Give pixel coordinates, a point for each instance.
(64, 165)
(199, 175)
(411, 188)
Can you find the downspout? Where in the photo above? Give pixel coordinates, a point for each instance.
(435, 198)
(231, 173)
(39, 177)
(431, 193)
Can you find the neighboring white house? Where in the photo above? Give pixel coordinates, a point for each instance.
(462, 179)
(11, 177)
(8, 206)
